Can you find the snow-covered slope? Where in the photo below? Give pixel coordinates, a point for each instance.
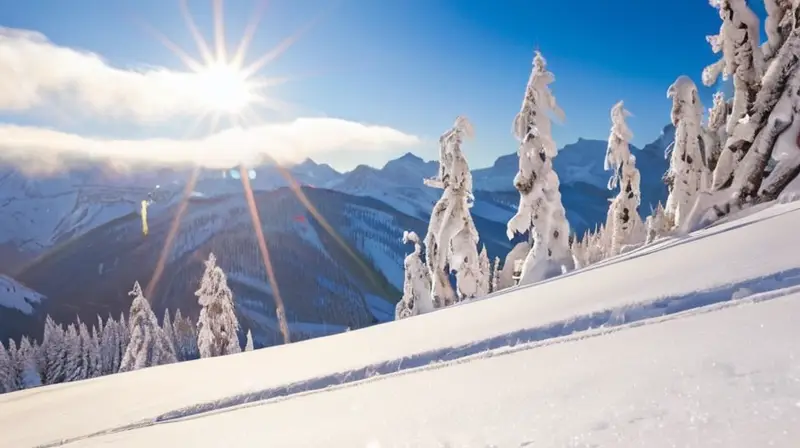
(15, 296)
(689, 342)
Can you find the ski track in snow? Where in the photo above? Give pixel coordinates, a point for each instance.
(594, 324)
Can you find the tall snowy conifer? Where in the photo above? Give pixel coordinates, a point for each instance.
(217, 326)
(626, 224)
(451, 242)
(416, 283)
(148, 345)
(248, 346)
(485, 277)
(687, 166)
(540, 209)
(74, 353)
(185, 337)
(29, 376)
(741, 58)
(5, 370)
(715, 136)
(54, 350)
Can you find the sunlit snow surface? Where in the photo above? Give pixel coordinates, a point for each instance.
(691, 342)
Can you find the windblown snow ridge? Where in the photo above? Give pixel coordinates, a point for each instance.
(758, 289)
(607, 318)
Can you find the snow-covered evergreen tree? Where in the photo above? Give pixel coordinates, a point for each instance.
(540, 209)
(14, 370)
(169, 330)
(86, 350)
(74, 354)
(714, 136)
(6, 384)
(185, 337)
(217, 326)
(451, 242)
(742, 59)
(495, 275)
(626, 226)
(28, 373)
(416, 283)
(95, 357)
(687, 167)
(54, 351)
(658, 224)
(148, 345)
(485, 278)
(248, 346)
(777, 26)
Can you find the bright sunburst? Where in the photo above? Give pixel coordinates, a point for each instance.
(225, 85)
(225, 89)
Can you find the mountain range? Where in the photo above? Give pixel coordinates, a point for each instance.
(75, 239)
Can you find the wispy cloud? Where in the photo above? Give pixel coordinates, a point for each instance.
(36, 73)
(48, 150)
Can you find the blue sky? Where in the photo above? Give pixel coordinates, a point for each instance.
(412, 65)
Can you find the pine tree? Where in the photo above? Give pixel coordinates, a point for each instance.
(248, 347)
(54, 350)
(109, 347)
(217, 326)
(5, 370)
(14, 370)
(86, 351)
(185, 337)
(451, 222)
(416, 282)
(148, 345)
(485, 276)
(687, 167)
(741, 58)
(495, 275)
(626, 226)
(29, 376)
(169, 330)
(74, 352)
(714, 135)
(540, 210)
(95, 358)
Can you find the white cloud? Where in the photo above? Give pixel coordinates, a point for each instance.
(40, 149)
(35, 72)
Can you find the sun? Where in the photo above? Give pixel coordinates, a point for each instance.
(225, 89)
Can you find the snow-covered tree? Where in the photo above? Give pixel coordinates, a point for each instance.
(416, 283)
(742, 59)
(714, 135)
(658, 224)
(148, 345)
(540, 209)
(687, 166)
(86, 350)
(169, 330)
(452, 239)
(28, 373)
(485, 277)
(625, 224)
(777, 26)
(217, 326)
(248, 346)
(74, 354)
(6, 372)
(54, 351)
(185, 337)
(495, 275)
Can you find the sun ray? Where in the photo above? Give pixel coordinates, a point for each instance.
(295, 187)
(202, 45)
(219, 30)
(190, 62)
(166, 248)
(280, 310)
(249, 32)
(279, 49)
